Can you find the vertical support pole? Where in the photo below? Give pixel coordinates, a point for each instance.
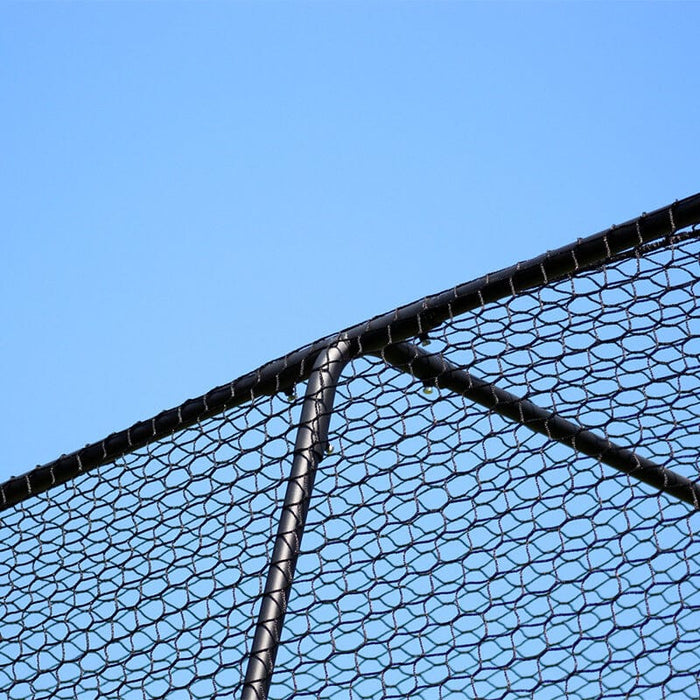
(310, 446)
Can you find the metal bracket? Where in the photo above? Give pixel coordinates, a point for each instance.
(434, 368)
(310, 446)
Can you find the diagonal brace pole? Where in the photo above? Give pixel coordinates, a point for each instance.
(311, 444)
(442, 373)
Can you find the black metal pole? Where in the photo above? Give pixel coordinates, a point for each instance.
(311, 443)
(438, 371)
(370, 336)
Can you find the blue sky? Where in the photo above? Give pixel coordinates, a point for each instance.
(191, 189)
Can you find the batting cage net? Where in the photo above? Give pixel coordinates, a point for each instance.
(495, 485)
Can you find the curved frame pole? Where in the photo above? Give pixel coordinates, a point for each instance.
(311, 444)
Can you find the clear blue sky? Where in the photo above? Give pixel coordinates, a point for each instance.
(191, 189)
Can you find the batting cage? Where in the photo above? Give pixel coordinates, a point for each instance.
(488, 493)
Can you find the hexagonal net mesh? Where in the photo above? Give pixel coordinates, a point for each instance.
(453, 547)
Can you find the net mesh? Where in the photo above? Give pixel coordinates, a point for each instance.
(449, 551)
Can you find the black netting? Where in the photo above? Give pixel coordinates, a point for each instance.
(139, 580)
(449, 551)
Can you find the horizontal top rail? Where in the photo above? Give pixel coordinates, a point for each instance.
(370, 336)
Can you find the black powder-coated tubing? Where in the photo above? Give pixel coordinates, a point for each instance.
(311, 444)
(368, 337)
(436, 370)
